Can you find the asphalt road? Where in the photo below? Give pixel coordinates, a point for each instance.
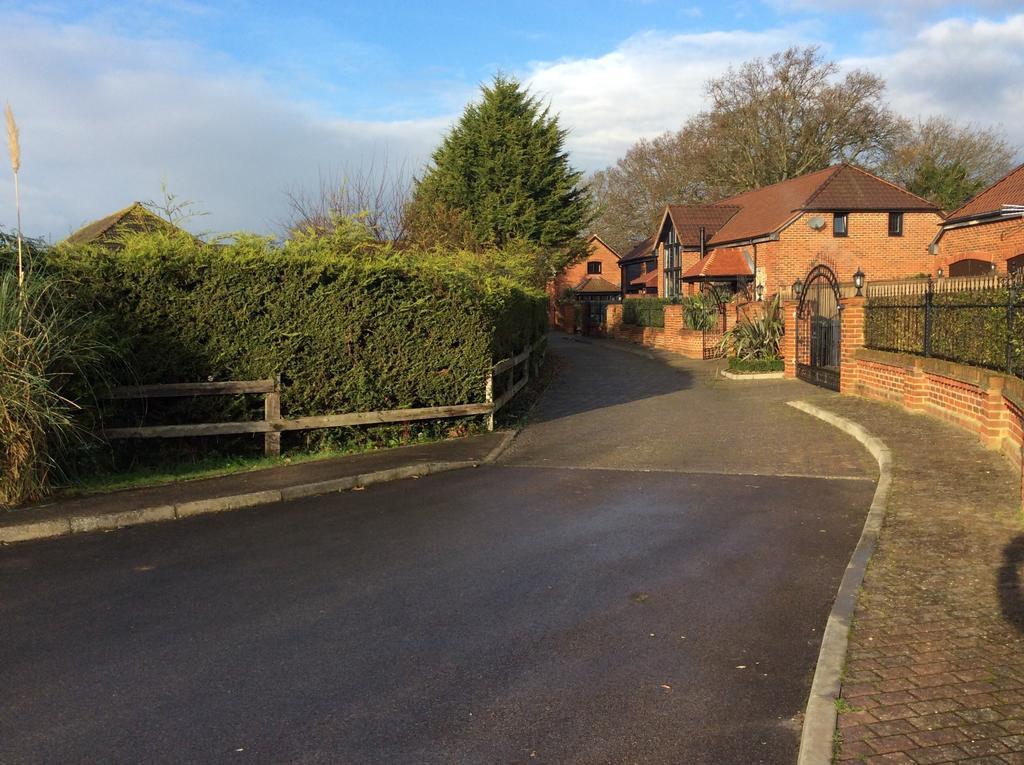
(509, 614)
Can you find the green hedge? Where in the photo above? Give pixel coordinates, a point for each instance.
(755, 365)
(644, 312)
(346, 332)
(969, 327)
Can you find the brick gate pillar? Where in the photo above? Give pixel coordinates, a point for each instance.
(613, 319)
(789, 309)
(852, 334)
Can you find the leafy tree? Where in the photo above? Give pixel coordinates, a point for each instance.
(947, 162)
(503, 172)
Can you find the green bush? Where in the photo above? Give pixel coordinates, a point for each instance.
(969, 327)
(47, 357)
(757, 338)
(751, 366)
(347, 332)
(644, 312)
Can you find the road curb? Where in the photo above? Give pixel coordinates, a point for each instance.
(80, 524)
(754, 375)
(818, 733)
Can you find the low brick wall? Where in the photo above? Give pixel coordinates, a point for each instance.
(672, 337)
(988, 403)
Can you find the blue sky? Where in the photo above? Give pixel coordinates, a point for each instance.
(235, 103)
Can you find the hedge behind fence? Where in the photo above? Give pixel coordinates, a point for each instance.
(644, 312)
(980, 327)
(347, 332)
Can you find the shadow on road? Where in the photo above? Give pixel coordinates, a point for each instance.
(594, 377)
(1011, 590)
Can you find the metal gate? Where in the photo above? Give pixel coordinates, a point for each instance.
(593, 315)
(818, 329)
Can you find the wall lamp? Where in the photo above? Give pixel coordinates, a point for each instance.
(858, 282)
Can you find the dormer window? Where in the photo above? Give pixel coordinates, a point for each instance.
(895, 224)
(840, 224)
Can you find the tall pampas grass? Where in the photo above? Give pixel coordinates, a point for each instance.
(14, 148)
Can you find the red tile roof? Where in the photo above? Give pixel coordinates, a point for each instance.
(724, 262)
(688, 219)
(650, 279)
(1009, 190)
(760, 212)
(596, 284)
(641, 250)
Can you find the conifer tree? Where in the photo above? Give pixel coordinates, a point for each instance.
(503, 171)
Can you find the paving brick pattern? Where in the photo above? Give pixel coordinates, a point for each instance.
(935, 669)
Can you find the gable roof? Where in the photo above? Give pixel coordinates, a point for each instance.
(133, 219)
(1008, 190)
(605, 244)
(725, 261)
(688, 219)
(641, 250)
(763, 211)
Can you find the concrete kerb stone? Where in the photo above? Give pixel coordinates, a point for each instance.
(82, 524)
(753, 375)
(817, 736)
(106, 521)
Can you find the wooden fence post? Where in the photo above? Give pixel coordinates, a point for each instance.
(489, 397)
(272, 413)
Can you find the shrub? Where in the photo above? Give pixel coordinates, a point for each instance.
(47, 358)
(757, 338)
(379, 331)
(702, 311)
(644, 312)
(753, 366)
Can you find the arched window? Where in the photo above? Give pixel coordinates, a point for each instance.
(970, 267)
(1015, 265)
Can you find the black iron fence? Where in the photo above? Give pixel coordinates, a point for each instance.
(970, 320)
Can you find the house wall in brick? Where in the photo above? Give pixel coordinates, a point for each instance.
(575, 273)
(868, 247)
(994, 242)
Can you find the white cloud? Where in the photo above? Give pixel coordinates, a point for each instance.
(104, 118)
(967, 70)
(649, 84)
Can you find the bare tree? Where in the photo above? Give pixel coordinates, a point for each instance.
(172, 208)
(780, 117)
(945, 161)
(631, 195)
(374, 193)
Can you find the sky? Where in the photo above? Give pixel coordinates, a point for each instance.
(236, 104)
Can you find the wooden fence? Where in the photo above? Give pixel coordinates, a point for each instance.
(515, 372)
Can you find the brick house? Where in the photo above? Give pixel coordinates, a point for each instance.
(639, 269)
(986, 234)
(771, 236)
(596, 277)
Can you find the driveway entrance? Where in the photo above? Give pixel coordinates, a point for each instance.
(657, 596)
